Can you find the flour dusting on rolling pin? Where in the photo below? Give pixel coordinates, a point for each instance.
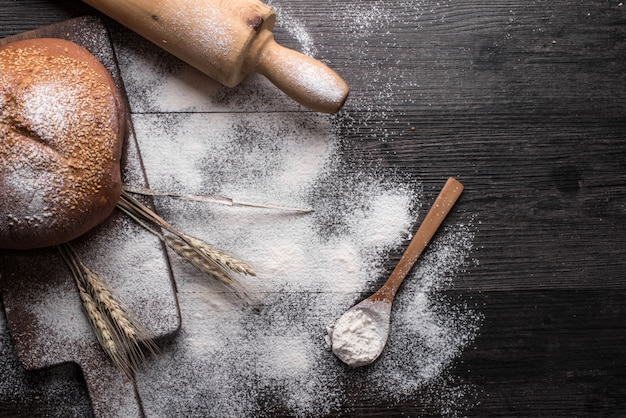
(227, 40)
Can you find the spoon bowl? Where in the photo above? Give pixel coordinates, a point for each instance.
(360, 334)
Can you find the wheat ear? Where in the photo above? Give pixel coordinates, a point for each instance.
(104, 331)
(221, 258)
(121, 337)
(208, 259)
(197, 259)
(132, 335)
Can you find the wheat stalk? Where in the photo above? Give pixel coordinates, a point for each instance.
(221, 258)
(121, 337)
(208, 259)
(105, 299)
(222, 200)
(104, 331)
(197, 259)
(132, 335)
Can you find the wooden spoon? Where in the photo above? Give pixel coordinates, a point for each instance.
(360, 334)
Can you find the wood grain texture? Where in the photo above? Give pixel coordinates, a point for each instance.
(525, 103)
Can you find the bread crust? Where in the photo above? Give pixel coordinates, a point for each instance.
(62, 128)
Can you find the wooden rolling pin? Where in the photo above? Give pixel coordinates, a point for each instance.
(227, 40)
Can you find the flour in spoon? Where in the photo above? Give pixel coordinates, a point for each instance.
(358, 337)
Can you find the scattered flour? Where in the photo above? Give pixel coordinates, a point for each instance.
(50, 389)
(295, 27)
(271, 358)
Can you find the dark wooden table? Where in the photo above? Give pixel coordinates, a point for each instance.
(526, 103)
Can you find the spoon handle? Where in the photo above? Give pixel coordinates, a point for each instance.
(437, 213)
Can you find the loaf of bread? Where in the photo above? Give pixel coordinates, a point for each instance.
(62, 128)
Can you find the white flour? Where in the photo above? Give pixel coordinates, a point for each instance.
(358, 337)
(55, 387)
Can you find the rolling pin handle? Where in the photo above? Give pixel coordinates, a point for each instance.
(304, 79)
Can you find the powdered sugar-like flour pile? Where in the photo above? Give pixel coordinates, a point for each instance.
(359, 335)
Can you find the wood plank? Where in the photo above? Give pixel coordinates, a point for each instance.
(556, 352)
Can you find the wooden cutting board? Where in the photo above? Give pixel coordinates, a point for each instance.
(43, 309)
